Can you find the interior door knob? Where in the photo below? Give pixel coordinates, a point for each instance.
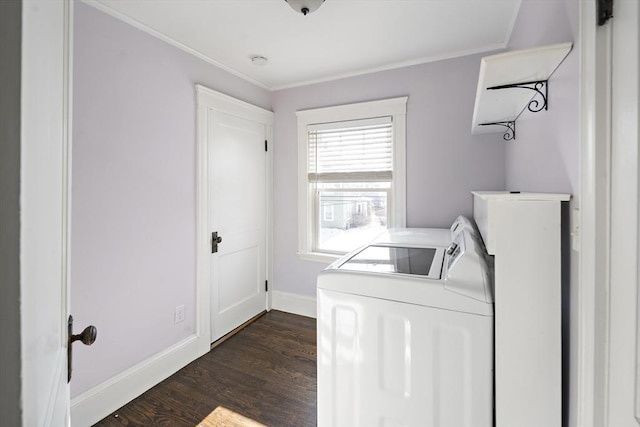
(87, 337)
(215, 240)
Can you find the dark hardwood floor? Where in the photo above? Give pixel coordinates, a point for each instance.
(266, 372)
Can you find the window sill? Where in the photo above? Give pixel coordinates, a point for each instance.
(318, 257)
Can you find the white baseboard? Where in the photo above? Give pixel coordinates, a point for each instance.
(95, 404)
(293, 303)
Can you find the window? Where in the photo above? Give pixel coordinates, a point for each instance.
(351, 175)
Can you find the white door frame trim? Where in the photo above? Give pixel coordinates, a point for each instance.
(622, 334)
(586, 298)
(608, 216)
(211, 99)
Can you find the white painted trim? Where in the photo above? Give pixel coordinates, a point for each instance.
(399, 186)
(203, 275)
(67, 180)
(67, 154)
(395, 107)
(139, 25)
(293, 303)
(98, 402)
(623, 373)
(356, 111)
(210, 99)
(586, 298)
(270, 214)
(317, 257)
(593, 268)
(67, 133)
(230, 105)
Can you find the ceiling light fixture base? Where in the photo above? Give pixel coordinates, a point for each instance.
(258, 60)
(304, 6)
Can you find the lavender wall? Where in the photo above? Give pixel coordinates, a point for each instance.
(545, 156)
(134, 177)
(444, 161)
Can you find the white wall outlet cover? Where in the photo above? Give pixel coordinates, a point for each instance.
(178, 314)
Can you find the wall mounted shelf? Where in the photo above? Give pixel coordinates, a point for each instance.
(512, 83)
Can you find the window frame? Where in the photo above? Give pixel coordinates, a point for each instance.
(396, 108)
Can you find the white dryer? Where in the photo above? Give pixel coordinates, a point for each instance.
(405, 332)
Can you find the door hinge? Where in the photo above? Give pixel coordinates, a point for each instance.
(266, 286)
(265, 145)
(604, 11)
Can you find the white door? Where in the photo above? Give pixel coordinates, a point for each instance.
(237, 199)
(44, 211)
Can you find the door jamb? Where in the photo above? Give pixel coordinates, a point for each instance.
(595, 197)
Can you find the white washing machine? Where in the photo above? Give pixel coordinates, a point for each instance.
(405, 332)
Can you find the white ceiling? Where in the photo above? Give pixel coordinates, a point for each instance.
(342, 38)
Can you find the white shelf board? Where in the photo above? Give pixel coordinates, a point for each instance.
(512, 67)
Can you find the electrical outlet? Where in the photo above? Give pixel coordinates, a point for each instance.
(178, 314)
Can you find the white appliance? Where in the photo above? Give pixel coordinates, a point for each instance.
(522, 232)
(405, 332)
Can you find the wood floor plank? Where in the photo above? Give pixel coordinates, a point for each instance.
(266, 373)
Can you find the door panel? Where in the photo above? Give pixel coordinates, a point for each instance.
(237, 207)
(239, 270)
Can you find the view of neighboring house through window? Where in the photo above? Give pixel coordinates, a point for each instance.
(352, 175)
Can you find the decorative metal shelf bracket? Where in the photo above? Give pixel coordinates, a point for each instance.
(510, 133)
(540, 87)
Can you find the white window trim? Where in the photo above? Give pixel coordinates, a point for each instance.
(394, 107)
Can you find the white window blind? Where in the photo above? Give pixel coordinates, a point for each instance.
(351, 151)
